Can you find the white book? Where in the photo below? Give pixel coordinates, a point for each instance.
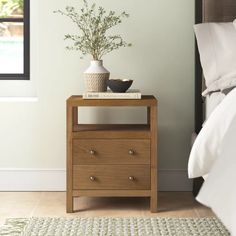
(130, 94)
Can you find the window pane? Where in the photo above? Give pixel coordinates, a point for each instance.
(11, 48)
(11, 8)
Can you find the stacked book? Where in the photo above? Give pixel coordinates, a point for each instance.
(130, 94)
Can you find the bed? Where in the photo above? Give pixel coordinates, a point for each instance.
(208, 11)
(214, 151)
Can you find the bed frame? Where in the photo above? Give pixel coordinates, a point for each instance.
(207, 11)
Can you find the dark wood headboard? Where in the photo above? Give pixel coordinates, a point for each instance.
(207, 11)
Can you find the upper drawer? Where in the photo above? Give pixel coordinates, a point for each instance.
(112, 151)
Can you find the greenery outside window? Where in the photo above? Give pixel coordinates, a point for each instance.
(14, 40)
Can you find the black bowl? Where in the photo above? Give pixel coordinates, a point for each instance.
(119, 86)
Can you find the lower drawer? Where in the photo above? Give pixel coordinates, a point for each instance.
(111, 177)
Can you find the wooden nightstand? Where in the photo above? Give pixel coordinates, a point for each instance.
(111, 160)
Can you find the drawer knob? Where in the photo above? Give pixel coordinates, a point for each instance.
(92, 152)
(131, 178)
(92, 178)
(131, 152)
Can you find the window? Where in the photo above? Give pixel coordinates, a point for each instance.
(14, 40)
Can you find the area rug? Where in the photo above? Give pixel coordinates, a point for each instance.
(134, 226)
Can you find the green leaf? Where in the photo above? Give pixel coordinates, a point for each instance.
(93, 30)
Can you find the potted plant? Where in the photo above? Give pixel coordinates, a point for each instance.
(92, 39)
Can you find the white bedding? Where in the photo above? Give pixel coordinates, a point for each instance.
(212, 101)
(214, 153)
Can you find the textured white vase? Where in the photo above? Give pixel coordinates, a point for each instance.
(96, 77)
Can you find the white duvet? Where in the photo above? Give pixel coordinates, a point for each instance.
(214, 154)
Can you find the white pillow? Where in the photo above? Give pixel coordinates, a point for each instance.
(234, 23)
(217, 48)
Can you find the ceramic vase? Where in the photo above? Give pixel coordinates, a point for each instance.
(96, 77)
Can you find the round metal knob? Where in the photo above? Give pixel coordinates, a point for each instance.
(92, 178)
(131, 178)
(131, 152)
(92, 152)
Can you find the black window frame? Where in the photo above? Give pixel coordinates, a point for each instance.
(26, 52)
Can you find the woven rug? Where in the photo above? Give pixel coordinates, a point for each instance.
(134, 226)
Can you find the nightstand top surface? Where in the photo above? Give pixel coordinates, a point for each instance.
(146, 100)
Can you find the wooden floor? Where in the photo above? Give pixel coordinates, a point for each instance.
(52, 204)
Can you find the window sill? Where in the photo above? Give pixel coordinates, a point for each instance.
(17, 77)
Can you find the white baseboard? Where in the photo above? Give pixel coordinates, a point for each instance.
(32, 179)
(55, 180)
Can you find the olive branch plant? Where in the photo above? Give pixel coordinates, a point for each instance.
(93, 24)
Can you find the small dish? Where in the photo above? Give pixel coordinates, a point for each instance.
(118, 85)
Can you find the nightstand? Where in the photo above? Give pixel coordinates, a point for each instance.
(118, 160)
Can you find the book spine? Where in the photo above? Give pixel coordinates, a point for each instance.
(111, 96)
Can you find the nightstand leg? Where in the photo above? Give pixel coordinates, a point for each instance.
(71, 119)
(153, 202)
(69, 203)
(154, 169)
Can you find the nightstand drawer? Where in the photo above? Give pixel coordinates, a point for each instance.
(112, 151)
(111, 177)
